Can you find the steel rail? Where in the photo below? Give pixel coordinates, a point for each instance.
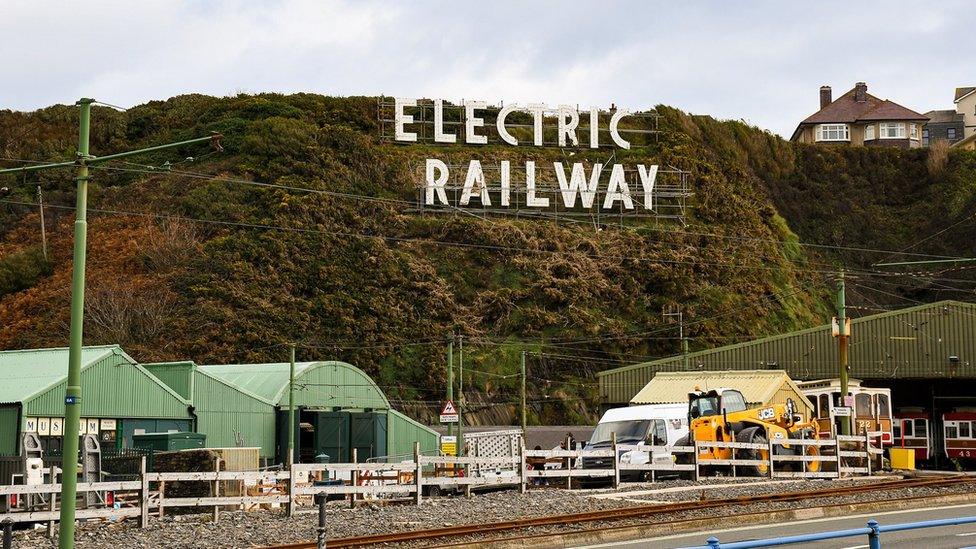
(627, 513)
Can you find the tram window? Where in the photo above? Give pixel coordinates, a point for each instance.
(908, 428)
(824, 406)
(884, 410)
(964, 429)
(921, 428)
(862, 403)
(951, 431)
(896, 430)
(836, 399)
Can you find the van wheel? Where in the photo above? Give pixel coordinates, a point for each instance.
(755, 435)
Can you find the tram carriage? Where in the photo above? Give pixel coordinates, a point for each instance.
(959, 429)
(871, 411)
(912, 430)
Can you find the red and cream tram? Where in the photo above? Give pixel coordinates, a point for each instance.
(871, 410)
(911, 430)
(959, 428)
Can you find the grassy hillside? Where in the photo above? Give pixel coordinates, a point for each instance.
(211, 268)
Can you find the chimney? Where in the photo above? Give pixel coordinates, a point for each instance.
(860, 92)
(825, 96)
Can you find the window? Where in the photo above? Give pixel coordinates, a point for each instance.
(892, 130)
(896, 431)
(951, 133)
(951, 431)
(824, 406)
(908, 428)
(812, 399)
(964, 429)
(733, 401)
(862, 405)
(925, 138)
(884, 410)
(869, 132)
(658, 435)
(914, 131)
(833, 132)
(921, 428)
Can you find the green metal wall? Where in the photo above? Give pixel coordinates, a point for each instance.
(113, 388)
(176, 375)
(335, 384)
(913, 343)
(9, 429)
(223, 411)
(402, 433)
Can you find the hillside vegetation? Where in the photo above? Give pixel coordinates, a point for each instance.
(194, 262)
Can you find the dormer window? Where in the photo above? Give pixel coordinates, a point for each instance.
(833, 132)
(892, 130)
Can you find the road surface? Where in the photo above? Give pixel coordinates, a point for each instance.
(951, 537)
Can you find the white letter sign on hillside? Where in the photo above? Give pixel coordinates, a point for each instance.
(587, 184)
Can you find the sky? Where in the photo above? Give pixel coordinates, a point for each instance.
(759, 61)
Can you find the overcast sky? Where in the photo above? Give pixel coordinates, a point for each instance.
(759, 61)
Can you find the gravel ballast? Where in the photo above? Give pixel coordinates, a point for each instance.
(263, 528)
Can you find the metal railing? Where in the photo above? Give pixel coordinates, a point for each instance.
(873, 531)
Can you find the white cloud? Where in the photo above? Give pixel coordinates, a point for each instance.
(762, 61)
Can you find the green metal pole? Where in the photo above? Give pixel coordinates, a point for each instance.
(845, 421)
(72, 398)
(460, 402)
(291, 409)
(523, 394)
(450, 378)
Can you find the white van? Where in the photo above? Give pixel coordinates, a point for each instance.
(651, 424)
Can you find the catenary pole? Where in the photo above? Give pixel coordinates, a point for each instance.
(72, 397)
(450, 379)
(291, 408)
(845, 421)
(460, 402)
(523, 394)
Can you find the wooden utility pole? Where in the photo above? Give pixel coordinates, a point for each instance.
(40, 205)
(842, 344)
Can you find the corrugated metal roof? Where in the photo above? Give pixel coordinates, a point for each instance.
(914, 343)
(29, 372)
(757, 386)
(270, 381)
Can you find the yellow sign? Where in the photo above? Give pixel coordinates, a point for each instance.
(449, 445)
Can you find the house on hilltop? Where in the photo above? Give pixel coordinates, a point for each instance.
(859, 118)
(953, 125)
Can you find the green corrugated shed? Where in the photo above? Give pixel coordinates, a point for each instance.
(325, 386)
(113, 386)
(912, 343)
(228, 415)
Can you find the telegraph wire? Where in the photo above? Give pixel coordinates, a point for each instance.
(163, 170)
(412, 240)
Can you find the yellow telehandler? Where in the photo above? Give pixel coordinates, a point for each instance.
(722, 415)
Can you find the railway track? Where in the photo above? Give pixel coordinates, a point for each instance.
(626, 513)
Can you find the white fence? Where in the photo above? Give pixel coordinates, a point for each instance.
(417, 477)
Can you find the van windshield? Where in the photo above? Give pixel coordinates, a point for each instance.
(627, 431)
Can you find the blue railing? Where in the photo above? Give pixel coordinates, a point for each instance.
(873, 531)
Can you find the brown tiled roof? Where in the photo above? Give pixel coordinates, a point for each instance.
(962, 92)
(846, 110)
(944, 117)
(889, 110)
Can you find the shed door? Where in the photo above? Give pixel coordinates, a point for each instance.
(368, 434)
(332, 435)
